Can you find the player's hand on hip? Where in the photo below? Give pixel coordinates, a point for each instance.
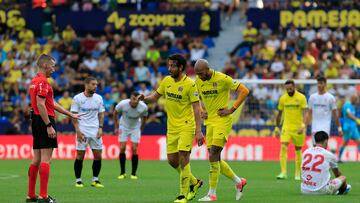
(51, 132)
(116, 131)
(80, 137)
(199, 137)
(99, 133)
(224, 112)
(204, 115)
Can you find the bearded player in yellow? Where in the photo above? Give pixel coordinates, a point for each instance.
(294, 107)
(182, 106)
(214, 88)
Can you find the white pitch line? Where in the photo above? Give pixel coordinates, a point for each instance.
(6, 176)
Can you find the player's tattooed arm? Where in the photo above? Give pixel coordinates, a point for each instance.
(116, 122)
(79, 135)
(101, 116)
(277, 124)
(335, 114)
(143, 121)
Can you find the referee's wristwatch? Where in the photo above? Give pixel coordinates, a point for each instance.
(48, 125)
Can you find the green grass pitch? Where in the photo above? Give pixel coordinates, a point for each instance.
(159, 183)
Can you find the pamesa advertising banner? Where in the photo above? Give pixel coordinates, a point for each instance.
(343, 18)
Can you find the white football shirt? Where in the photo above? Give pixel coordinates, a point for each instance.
(322, 107)
(90, 107)
(315, 168)
(131, 117)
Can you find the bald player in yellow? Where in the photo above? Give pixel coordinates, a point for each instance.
(293, 105)
(183, 113)
(214, 88)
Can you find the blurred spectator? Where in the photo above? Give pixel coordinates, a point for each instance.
(264, 31)
(142, 73)
(65, 101)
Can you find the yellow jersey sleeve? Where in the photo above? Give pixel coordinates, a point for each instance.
(230, 83)
(193, 93)
(161, 88)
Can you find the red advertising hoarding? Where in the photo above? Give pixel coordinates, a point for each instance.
(154, 148)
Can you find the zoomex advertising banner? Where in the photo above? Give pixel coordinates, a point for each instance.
(186, 21)
(154, 148)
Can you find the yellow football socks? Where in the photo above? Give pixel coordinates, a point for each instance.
(185, 180)
(226, 170)
(193, 179)
(297, 162)
(214, 174)
(283, 159)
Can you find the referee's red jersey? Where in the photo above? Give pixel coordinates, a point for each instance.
(40, 86)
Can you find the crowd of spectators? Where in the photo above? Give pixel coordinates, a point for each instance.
(123, 61)
(292, 53)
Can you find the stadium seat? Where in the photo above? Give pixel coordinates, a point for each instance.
(265, 133)
(248, 132)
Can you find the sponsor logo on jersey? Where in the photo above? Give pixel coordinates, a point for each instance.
(209, 92)
(173, 95)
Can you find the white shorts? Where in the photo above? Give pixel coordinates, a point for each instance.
(125, 133)
(329, 189)
(93, 143)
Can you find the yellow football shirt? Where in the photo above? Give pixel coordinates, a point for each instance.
(215, 93)
(292, 108)
(65, 102)
(179, 97)
(251, 31)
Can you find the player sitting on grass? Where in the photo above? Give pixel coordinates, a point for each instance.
(315, 170)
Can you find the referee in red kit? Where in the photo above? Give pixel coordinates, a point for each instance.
(43, 128)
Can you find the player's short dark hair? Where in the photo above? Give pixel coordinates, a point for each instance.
(288, 82)
(321, 79)
(180, 60)
(321, 136)
(89, 79)
(135, 93)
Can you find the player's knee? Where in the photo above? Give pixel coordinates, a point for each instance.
(80, 155)
(173, 163)
(36, 162)
(134, 149)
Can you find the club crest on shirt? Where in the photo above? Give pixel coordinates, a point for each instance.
(180, 89)
(214, 84)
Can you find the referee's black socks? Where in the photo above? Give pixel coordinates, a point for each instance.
(96, 167)
(122, 159)
(134, 161)
(78, 165)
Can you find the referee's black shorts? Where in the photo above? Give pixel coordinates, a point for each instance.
(39, 131)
